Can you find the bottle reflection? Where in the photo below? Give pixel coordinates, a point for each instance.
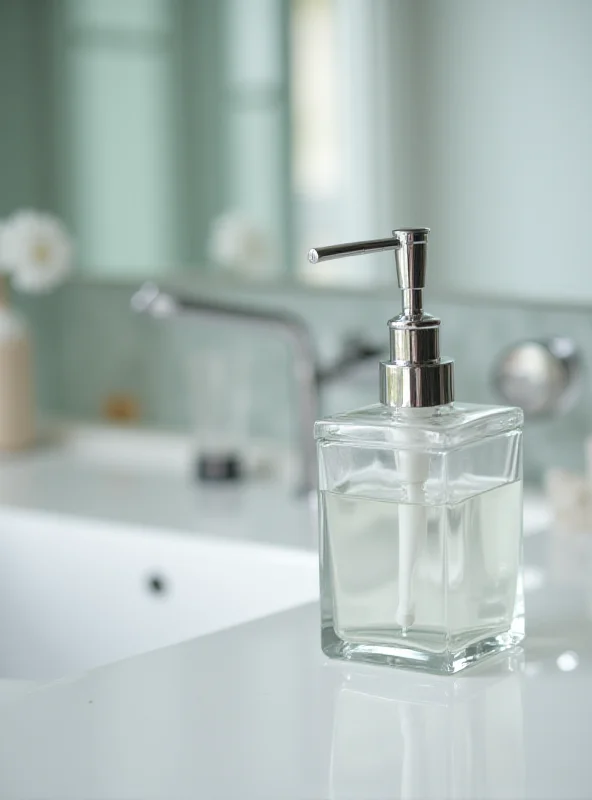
(397, 734)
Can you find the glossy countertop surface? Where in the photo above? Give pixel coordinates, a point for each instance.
(145, 480)
(258, 712)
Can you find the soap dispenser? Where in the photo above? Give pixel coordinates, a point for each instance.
(420, 503)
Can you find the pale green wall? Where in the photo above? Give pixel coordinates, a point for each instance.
(501, 116)
(140, 121)
(118, 154)
(26, 119)
(492, 124)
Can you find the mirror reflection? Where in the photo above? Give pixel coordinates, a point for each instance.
(229, 137)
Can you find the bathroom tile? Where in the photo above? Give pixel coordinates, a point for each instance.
(89, 345)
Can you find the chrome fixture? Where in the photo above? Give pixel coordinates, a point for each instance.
(162, 304)
(540, 375)
(415, 376)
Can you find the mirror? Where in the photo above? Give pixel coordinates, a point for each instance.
(227, 137)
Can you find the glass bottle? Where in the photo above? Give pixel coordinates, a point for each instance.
(420, 503)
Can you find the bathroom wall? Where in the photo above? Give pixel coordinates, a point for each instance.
(478, 124)
(496, 162)
(139, 122)
(26, 123)
(500, 107)
(89, 345)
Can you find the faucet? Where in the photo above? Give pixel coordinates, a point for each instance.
(163, 304)
(167, 304)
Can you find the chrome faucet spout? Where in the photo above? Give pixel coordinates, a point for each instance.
(150, 299)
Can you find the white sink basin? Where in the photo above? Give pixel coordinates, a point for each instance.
(76, 594)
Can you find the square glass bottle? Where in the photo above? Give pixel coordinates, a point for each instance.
(420, 508)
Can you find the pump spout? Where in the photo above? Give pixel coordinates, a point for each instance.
(415, 376)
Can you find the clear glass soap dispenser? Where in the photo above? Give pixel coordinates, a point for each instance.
(420, 503)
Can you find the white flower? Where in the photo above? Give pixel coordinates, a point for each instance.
(36, 249)
(237, 244)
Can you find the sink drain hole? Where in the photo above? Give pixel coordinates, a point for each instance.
(157, 584)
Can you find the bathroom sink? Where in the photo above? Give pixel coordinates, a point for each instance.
(77, 593)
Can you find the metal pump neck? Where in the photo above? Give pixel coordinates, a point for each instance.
(415, 376)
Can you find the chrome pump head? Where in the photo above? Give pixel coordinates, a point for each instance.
(415, 376)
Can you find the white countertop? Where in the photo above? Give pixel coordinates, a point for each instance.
(143, 479)
(257, 711)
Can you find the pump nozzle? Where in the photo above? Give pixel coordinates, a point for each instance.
(409, 244)
(411, 258)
